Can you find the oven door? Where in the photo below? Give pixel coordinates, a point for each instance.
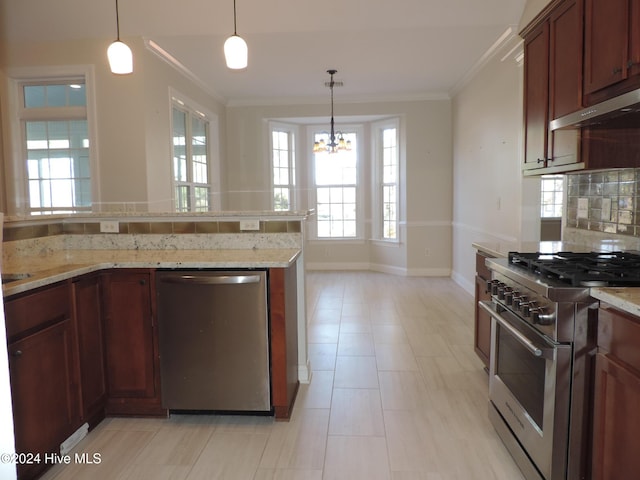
(529, 385)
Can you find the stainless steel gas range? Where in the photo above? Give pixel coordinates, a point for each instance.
(543, 336)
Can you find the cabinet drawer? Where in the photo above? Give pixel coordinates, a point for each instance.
(481, 269)
(27, 313)
(619, 335)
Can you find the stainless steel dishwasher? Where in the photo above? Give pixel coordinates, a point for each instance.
(214, 340)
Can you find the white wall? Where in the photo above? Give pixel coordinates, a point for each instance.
(492, 200)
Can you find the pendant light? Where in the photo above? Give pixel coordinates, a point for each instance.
(119, 54)
(235, 48)
(336, 139)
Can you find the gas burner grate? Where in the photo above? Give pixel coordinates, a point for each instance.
(583, 269)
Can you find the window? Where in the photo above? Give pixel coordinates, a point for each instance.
(53, 117)
(283, 167)
(551, 201)
(190, 159)
(336, 185)
(388, 162)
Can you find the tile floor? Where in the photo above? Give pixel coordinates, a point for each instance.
(397, 393)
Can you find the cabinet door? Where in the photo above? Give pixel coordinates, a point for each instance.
(482, 332)
(88, 315)
(536, 96)
(565, 70)
(606, 43)
(44, 392)
(129, 336)
(616, 420)
(565, 79)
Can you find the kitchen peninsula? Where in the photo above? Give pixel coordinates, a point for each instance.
(83, 301)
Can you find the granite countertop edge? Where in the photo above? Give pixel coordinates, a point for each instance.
(41, 271)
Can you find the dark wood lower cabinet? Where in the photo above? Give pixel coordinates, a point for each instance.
(88, 347)
(43, 372)
(284, 339)
(131, 342)
(87, 306)
(616, 416)
(482, 320)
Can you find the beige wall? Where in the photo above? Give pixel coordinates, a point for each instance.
(132, 118)
(492, 200)
(426, 199)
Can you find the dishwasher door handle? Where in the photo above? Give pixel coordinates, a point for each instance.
(212, 279)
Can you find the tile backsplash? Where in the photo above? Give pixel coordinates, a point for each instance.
(604, 201)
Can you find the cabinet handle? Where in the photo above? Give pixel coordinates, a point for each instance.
(631, 63)
(143, 282)
(17, 353)
(541, 160)
(617, 70)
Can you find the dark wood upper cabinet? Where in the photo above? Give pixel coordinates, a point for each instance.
(553, 86)
(536, 96)
(612, 48)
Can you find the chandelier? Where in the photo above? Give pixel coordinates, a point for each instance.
(336, 139)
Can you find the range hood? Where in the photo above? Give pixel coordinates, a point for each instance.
(602, 114)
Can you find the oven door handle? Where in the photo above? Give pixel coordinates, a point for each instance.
(507, 326)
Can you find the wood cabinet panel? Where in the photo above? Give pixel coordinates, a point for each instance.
(616, 420)
(88, 315)
(606, 43)
(283, 317)
(536, 96)
(482, 320)
(553, 87)
(44, 388)
(616, 417)
(131, 344)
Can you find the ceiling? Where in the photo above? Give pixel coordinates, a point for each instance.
(382, 49)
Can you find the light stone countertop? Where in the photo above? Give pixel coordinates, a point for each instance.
(61, 265)
(623, 298)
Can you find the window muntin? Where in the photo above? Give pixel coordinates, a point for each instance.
(336, 184)
(389, 183)
(56, 145)
(190, 140)
(551, 196)
(283, 168)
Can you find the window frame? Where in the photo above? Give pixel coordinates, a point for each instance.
(293, 132)
(555, 191)
(192, 109)
(377, 132)
(17, 180)
(358, 129)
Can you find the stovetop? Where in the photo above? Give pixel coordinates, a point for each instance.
(588, 269)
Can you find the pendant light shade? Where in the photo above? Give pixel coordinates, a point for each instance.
(120, 58)
(236, 52)
(118, 53)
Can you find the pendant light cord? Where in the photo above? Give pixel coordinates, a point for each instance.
(235, 30)
(118, 22)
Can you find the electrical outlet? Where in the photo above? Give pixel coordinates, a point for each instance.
(249, 224)
(109, 226)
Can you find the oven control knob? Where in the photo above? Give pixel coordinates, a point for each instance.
(527, 308)
(519, 300)
(502, 290)
(508, 297)
(492, 286)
